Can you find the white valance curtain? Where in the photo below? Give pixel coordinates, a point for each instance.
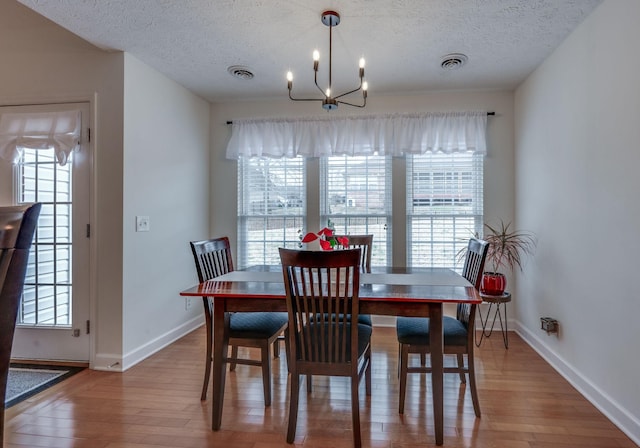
(39, 130)
(393, 135)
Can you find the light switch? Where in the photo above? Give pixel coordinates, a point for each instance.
(142, 224)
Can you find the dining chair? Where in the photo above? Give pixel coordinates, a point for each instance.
(322, 289)
(459, 332)
(364, 242)
(17, 227)
(258, 330)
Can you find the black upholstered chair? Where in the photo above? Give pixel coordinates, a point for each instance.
(259, 330)
(17, 227)
(459, 332)
(322, 289)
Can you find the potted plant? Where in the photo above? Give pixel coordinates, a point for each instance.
(507, 249)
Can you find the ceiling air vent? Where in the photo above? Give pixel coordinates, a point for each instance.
(453, 61)
(240, 72)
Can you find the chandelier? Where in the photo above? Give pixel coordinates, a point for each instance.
(330, 101)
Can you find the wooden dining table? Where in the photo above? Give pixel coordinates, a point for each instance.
(384, 291)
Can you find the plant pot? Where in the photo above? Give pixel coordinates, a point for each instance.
(493, 283)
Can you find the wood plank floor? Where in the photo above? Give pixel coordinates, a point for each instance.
(525, 404)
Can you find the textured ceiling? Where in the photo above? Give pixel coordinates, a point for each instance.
(403, 41)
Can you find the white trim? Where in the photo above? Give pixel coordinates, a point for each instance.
(621, 417)
(93, 220)
(114, 363)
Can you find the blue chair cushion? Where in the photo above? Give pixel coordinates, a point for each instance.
(415, 331)
(364, 336)
(256, 325)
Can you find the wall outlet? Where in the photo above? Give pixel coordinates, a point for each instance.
(142, 224)
(187, 303)
(549, 324)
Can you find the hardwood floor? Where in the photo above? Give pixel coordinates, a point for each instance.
(524, 402)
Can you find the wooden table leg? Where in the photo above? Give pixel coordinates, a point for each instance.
(220, 348)
(436, 342)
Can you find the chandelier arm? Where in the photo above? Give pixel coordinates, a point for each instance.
(354, 105)
(303, 99)
(349, 92)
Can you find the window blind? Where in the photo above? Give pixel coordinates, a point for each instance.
(355, 195)
(271, 208)
(444, 206)
(47, 287)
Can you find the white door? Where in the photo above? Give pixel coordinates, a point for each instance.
(53, 320)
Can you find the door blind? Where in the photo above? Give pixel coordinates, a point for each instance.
(47, 287)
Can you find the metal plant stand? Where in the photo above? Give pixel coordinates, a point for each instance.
(497, 301)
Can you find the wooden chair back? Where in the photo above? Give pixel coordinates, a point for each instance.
(17, 227)
(472, 271)
(322, 290)
(474, 261)
(212, 257)
(364, 243)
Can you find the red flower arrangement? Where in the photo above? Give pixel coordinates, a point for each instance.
(327, 240)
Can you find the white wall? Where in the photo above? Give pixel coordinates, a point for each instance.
(577, 160)
(166, 177)
(499, 193)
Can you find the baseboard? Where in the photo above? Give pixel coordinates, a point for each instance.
(618, 415)
(112, 363)
(383, 321)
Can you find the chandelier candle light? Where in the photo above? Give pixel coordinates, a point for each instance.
(330, 102)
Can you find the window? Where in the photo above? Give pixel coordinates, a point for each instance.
(444, 206)
(47, 288)
(356, 196)
(271, 208)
